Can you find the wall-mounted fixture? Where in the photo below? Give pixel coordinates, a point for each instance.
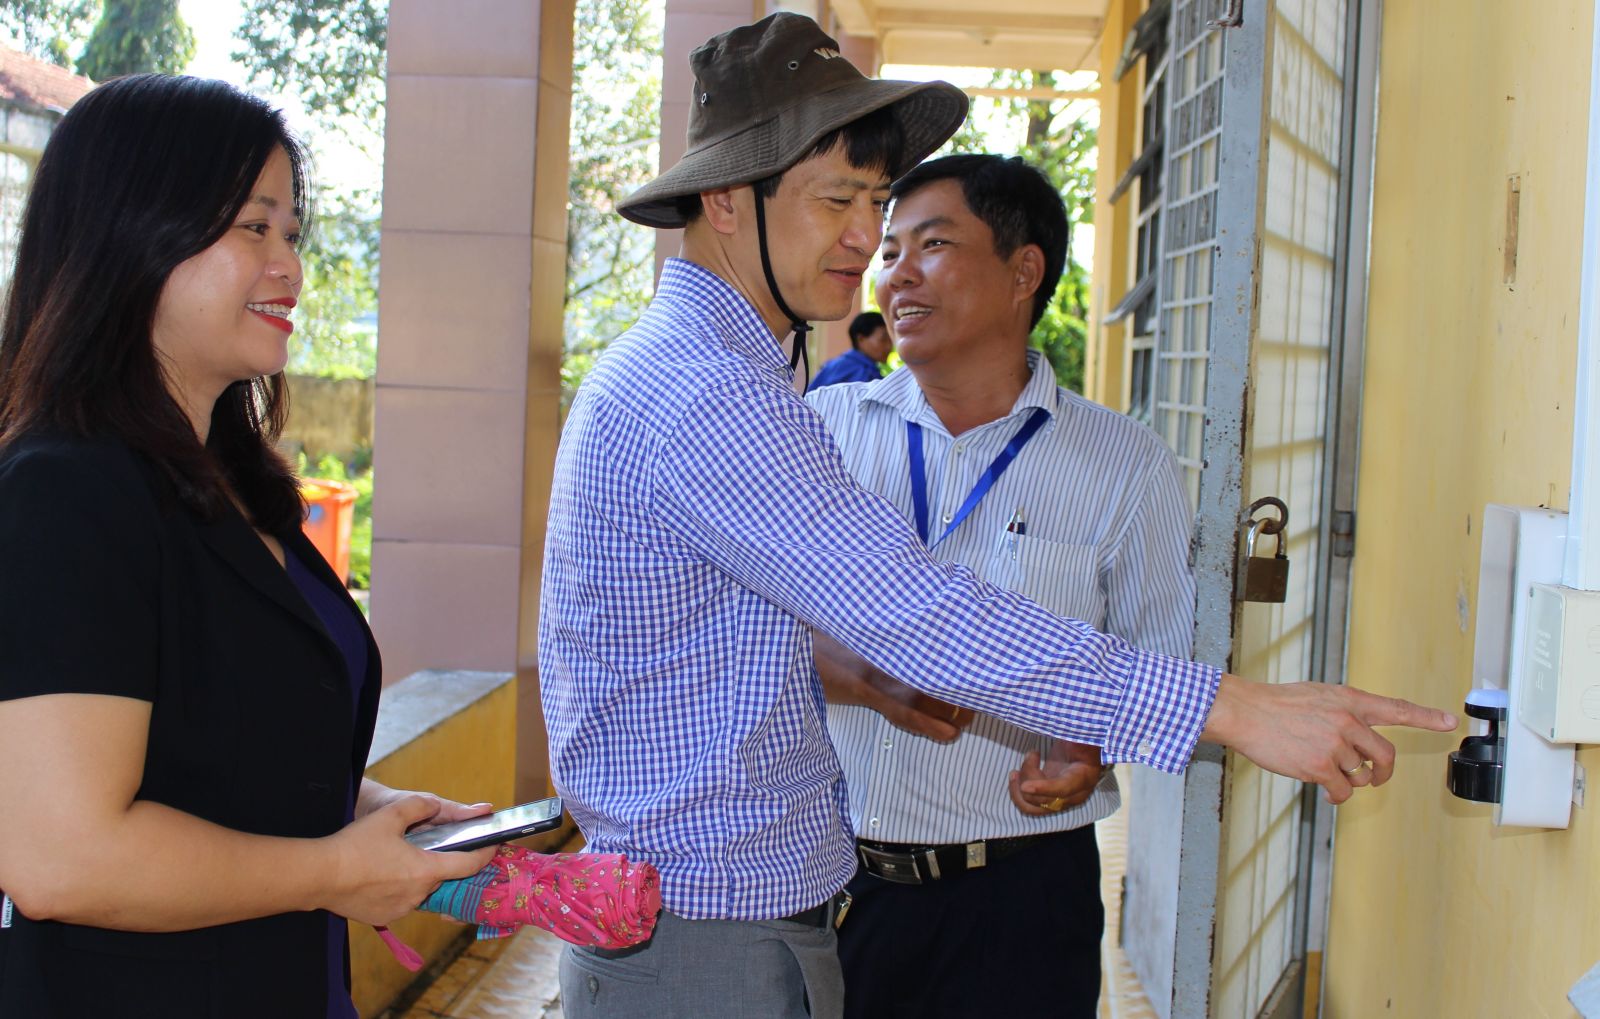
(1523, 549)
(1561, 690)
(1477, 770)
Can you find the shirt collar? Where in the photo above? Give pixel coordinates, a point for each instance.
(900, 392)
(693, 291)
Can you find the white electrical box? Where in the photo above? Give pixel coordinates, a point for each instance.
(1561, 679)
(1522, 547)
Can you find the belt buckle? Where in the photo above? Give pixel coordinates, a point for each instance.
(977, 855)
(901, 868)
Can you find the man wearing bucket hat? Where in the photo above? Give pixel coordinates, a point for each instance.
(702, 525)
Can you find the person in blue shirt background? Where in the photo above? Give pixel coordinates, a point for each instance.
(863, 362)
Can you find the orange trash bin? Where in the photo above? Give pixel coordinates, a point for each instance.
(330, 513)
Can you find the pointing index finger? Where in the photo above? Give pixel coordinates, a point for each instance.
(1376, 710)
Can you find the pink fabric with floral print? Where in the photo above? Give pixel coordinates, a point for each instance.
(584, 898)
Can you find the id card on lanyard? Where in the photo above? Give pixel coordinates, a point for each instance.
(919, 474)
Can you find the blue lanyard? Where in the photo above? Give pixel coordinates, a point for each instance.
(919, 474)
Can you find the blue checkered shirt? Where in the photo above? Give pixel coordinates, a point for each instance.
(701, 522)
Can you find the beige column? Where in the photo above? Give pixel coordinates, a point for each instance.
(833, 338)
(687, 24)
(468, 396)
(690, 23)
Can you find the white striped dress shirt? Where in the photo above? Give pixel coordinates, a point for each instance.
(1106, 541)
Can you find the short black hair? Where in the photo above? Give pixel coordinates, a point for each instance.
(872, 141)
(1018, 204)
(864, 325)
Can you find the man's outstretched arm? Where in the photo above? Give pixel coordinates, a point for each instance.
(1315, 732)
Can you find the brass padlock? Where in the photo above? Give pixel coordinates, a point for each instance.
(1265, 580)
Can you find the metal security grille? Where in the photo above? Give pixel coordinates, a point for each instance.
(1255, 241)
(1174, 823)
(1183, 337)
(1299, 298)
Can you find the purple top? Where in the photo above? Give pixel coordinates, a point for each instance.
(345, 627)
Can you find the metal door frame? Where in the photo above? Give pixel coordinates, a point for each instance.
(1225, 478)
(1330, 636)
(1241, 177)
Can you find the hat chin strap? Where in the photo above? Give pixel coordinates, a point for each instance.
(800, 326)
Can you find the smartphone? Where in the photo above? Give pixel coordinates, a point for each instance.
(490, 829)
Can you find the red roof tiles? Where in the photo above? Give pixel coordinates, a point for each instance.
(27, 81)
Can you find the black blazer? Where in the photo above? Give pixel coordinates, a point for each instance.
(107, 585)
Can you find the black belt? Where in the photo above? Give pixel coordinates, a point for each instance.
(913, 865)
(829, 913)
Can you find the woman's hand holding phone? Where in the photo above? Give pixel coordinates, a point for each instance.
(376, 876)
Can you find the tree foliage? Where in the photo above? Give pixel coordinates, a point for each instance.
(616, 121)
(331, 54)
(110, 37)
(135, 36)
(50, 29)
(328, 52)
(1064, 149)
(335, 331)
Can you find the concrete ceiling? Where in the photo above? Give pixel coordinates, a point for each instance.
(1022, 34)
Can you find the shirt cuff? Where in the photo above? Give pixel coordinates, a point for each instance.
(1164, 706)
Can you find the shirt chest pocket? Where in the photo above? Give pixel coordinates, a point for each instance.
(1063, 578)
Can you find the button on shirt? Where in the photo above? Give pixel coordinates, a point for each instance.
(1106, 540)
(701, 521)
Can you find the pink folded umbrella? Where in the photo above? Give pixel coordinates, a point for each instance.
(583, 898)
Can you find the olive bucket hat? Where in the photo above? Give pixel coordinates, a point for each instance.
(765, 94)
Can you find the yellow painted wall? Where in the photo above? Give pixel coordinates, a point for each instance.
(1106, 356)
(469, 756)
(1467, 400)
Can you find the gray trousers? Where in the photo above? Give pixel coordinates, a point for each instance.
(708, 969)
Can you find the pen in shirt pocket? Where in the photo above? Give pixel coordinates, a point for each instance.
(1014, 527)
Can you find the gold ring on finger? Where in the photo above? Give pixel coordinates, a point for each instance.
(1056, 804)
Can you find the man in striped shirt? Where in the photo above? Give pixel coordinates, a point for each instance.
(702, 526)
(968, 897)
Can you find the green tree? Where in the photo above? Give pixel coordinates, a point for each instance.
(134, 36)
(111, 37)
(329, 52)
(50, 29)
(340, 295)
(1064, 149)
(616, 121)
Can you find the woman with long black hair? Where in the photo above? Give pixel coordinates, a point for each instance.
(187, 693)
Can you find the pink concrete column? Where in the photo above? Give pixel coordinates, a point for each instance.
(833, 338)
(469, 388)
(688, 23)
(861, 50)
